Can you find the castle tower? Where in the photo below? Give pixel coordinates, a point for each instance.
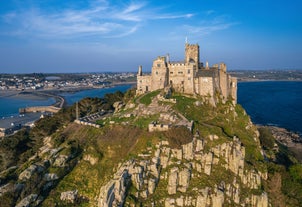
(192, 54)
(159, 74)
(140, 71)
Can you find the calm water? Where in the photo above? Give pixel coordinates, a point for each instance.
(273, 103)
(9, 106)
(73, 97)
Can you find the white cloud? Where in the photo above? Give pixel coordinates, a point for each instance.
(100, 19)
(207, 27)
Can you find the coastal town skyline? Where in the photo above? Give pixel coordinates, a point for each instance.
(100, 35)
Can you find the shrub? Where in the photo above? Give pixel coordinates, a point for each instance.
(267, 140)
(178, 136)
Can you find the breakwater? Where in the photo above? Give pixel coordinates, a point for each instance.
(35, 109)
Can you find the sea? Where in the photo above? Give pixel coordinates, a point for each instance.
(277, 103)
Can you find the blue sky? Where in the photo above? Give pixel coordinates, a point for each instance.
(103, 35)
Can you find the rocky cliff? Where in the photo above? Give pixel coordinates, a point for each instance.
(204, 156)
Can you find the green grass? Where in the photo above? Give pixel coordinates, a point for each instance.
(147, 99)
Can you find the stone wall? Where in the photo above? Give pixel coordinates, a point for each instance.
(143, 84)
(188, 77)
(206, 86)
(159, 77)
(158, 127)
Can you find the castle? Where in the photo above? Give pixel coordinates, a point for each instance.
(189, 76)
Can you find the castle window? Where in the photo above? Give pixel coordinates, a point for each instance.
(158, 65)
(180, 72)
(189, 71)
(171, 72)
(156, 73)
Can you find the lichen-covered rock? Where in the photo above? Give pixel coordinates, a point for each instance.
(69, 196)
(208, 163)
(199, 145)
(176, 153)
(50, 176)
(252, 179)
(118, 106)
(188, 151)
(259, 200)
(218, 198)
(165, 156)
(151, 185)
(202, 198)
(28, 172)
(9, 187)
(183, 179)
(170, 202)
(173, 181)
(91, 159)
(28, 201)
(61, 161)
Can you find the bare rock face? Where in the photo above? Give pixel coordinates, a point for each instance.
(188, 151)
(170, 202)
(28, 201)
(202, 198)
(259, 200)
(61, 160)
(50, 176)
(118, 106)
(208, 163)
(173, 181)
(177, 167)
(91, 159)
(165, 156)
(184, 178)
(113, 194)
(70, 196)
(27, 173)
(218, 199)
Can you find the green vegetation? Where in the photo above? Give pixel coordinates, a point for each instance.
(94, 153)
(147, 99)
(178, 136)
(267, 140)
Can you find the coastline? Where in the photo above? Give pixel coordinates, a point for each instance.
(266, 80)
(292, 140)
(42, 94)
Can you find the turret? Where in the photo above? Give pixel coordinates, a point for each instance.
(140, 71)
(223, 67)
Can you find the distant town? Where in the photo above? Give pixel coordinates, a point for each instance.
(267, 75)
(36, 81)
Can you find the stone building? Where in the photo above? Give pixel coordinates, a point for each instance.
(189, 76)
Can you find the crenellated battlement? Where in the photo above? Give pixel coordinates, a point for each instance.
(189, 76)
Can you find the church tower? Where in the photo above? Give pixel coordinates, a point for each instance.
(192, 54)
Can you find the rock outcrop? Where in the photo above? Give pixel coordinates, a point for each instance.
(178, 168)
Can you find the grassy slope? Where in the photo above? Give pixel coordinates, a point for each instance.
(111, 145)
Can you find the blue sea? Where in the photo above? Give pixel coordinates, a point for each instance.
(74, 97)
(9, 106)
(276, 103)
(268, 102)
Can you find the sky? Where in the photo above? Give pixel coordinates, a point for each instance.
(55, 36)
